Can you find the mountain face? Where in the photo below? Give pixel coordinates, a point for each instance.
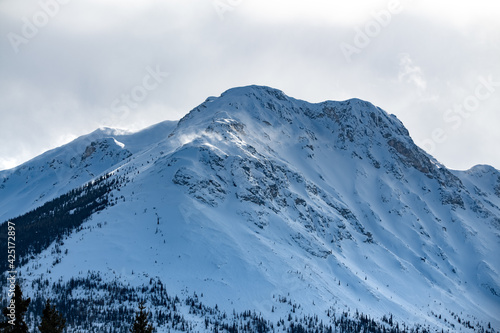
(57, 171)
(258, 201)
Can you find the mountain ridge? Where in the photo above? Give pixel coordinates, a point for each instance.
(255, 194)
(61, 169)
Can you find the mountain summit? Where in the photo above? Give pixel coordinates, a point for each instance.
(262, 202)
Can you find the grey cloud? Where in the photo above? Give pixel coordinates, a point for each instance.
(64, 81)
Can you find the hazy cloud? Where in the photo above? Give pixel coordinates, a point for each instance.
(74, 63)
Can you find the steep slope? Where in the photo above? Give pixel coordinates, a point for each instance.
(256, 197)
(57, 171)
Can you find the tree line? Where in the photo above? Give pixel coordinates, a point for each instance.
(58, 217)
(57, 316)
(52, 320)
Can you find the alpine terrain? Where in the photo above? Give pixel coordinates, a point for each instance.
(257, 212)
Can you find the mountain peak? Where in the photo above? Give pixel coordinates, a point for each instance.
(257, 200)
(257, 89)
(351, 125)
(262, 103)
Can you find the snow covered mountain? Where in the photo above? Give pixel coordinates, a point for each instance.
(59, 170)
(258, 201)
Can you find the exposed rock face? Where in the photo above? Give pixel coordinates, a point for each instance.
(331, 204)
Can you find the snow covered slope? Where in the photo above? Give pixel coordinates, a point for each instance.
(57, 171)
(255, 197)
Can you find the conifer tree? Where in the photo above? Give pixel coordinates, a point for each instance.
(141, 324)
(14, 313)
(52, 320)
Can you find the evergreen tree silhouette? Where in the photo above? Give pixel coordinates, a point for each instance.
(52, 320)
(14, 313)
(141, 324)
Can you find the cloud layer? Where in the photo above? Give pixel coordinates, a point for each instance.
(68, 67)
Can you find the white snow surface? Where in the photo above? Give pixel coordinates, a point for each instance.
(255, 195)
(57, 171)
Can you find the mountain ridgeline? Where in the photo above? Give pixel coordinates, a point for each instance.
(292, 216)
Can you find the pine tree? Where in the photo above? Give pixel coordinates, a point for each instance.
(14, 312)
(141, 324)
(52, 320)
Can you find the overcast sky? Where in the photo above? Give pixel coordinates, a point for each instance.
(68, 67)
